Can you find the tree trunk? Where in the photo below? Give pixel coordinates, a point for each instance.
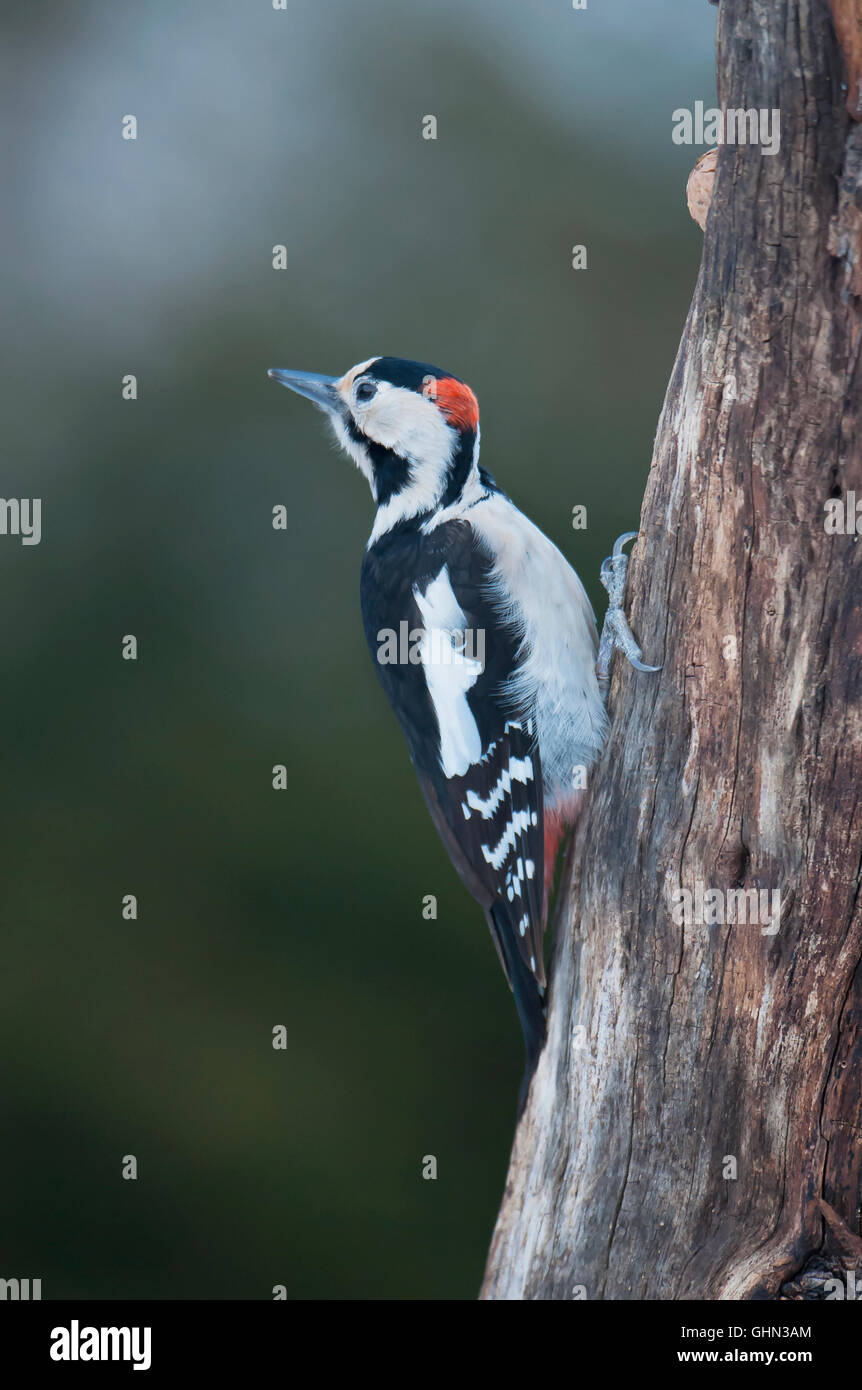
(698, 1098)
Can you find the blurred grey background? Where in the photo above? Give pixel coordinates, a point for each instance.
(153, 1037)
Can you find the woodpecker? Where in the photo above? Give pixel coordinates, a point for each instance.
(501, 689)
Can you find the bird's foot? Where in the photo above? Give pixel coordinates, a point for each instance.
(615, 629)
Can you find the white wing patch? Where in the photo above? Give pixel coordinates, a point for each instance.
(449, 674)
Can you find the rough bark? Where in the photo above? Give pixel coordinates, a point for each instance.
(672, 1047)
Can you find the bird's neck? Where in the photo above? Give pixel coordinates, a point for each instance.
(429, 487)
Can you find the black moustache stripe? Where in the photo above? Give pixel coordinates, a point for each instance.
(391, 471)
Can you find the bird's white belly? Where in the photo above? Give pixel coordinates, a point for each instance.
(557, 676)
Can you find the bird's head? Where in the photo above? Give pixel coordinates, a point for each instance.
(412, 429)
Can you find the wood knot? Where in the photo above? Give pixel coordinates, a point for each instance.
(698, 190)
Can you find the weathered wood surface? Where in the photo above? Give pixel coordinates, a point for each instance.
(740, 765)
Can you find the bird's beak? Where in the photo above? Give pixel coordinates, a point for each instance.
(320, 389)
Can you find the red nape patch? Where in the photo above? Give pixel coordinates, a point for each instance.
(456, 401)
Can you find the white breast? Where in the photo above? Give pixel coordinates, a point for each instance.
(536, 584)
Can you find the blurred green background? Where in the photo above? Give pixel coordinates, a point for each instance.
(302, 907)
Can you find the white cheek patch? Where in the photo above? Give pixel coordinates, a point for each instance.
(449, 674)
(412, 427)
(409, 423)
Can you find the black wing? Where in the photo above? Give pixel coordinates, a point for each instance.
(484, 790)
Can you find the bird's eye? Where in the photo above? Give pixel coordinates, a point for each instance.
(365, 390)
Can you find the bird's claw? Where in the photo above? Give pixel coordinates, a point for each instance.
(615, 630)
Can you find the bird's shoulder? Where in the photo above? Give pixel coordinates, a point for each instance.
(406, 560)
